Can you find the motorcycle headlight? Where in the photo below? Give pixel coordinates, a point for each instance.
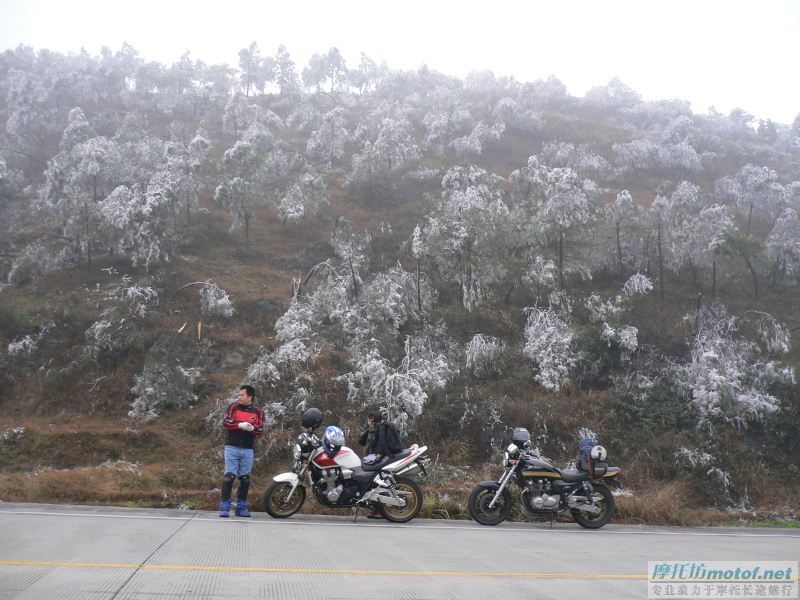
(506, 456)
(296, 451)
(512, 448)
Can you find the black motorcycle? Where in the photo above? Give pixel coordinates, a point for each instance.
(544, 490)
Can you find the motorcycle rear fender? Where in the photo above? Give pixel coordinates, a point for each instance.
(290, 477)
(612, 477)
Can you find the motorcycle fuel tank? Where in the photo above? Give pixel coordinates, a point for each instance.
(538, 468)
(345, 458)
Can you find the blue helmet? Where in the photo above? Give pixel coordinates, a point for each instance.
(332, 440)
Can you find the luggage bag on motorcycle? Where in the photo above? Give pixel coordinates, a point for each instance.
(596, 468)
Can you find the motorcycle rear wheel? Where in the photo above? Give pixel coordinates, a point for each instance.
(605, 500)
(275, 499)
(412, 494)
(479, 509)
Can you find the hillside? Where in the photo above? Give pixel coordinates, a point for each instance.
(468, 255)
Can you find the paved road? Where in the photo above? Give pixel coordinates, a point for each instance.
(79, 552)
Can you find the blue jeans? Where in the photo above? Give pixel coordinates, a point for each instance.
(238, 461)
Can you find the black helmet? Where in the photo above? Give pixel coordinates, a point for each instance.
(521, 437)
(312, 418)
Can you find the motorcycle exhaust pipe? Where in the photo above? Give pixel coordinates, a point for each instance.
(409, 471)
(590, 508)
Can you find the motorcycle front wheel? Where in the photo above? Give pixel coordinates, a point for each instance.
(479, 508)
(412, 494)
(604, 499)
(277, 502)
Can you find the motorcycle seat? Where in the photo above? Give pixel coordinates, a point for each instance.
(403, 454)
(573, 476)
(386, 460)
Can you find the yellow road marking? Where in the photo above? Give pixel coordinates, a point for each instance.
(319, 571)
(230, 569)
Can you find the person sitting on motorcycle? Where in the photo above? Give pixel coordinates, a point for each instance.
(367, 439)
(379, 440)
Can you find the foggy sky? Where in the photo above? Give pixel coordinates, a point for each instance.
(711, 52)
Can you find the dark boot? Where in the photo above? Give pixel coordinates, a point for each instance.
(242, 509)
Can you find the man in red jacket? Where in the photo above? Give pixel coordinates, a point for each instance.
(244, 422)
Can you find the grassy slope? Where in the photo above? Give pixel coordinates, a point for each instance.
(78, 445)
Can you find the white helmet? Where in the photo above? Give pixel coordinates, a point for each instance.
(599, 453)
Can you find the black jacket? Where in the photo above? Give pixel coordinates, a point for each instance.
(387, 440)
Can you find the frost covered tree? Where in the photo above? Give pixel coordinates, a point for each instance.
(285, 72)
(328, 140)
(549, 344)
(552, 206)
(484, 355)
(374, 167)
(564, 209)
(446, 117)
(141, 223)
(315, 73)
(637, 285)
(401, 390)
(783, 245)
(578, 158)
(77, 131)
(660, 224)
(395, 144)
(188, 166)
(465, 240)
(614, 95)
(728, 375)
(236, 115)
(76, 180)
(471, 145)
(460, 179)
(368, 74)
(255, 70)
(652, 155)
(163, 383)
(335, 70)
(697, 232)
(353, 249)
(527, 185)
(386, 303)
(623, 219)
(255, 168)
(305, 195)
(326, 69)
(759, 189)
(215, 302)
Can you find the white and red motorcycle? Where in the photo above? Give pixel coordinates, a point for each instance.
(339, 479)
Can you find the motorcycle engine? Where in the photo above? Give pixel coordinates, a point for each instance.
(537, 498)
(333, 489)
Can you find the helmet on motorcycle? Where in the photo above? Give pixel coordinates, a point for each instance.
(521, 437)
(599, 453)
(312, 418)
(332, 440)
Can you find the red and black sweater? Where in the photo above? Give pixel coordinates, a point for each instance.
(238, 413)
